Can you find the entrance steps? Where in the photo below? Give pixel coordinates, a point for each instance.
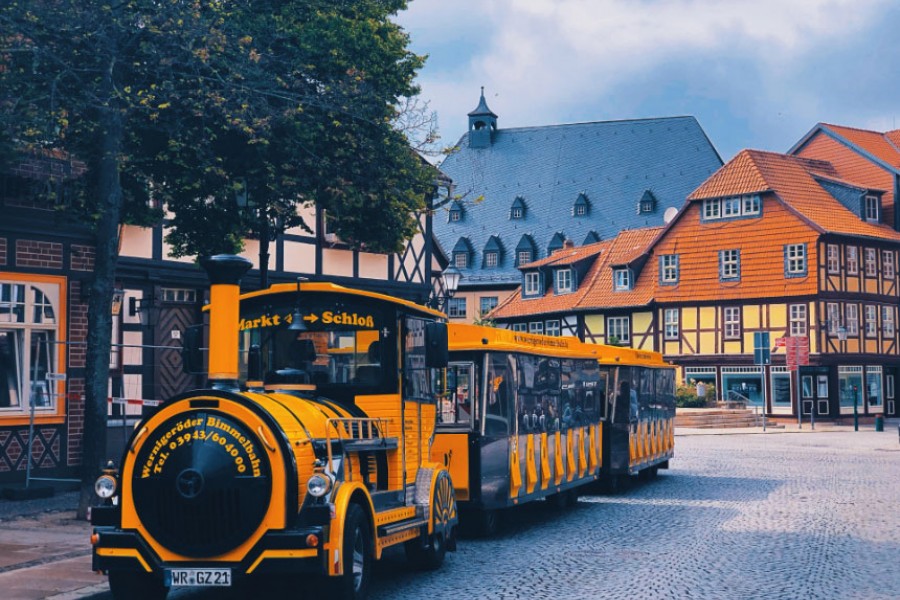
(715, 418)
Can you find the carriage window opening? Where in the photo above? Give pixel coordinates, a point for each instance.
(499, 395)
(456, 402)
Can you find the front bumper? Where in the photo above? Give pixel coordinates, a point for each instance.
(276, 552)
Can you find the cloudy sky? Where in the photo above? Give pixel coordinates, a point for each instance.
(755, 73)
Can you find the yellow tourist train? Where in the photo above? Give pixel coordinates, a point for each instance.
(308, 455)
(526, 417)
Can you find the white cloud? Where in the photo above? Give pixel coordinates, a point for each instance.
(542, 60)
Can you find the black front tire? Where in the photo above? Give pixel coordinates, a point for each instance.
(358, 552)
(133, 585)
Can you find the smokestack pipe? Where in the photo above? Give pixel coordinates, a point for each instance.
(225, 272)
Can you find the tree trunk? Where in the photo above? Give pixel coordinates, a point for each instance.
(100, 307)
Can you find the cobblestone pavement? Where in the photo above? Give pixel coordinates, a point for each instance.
(737, 517)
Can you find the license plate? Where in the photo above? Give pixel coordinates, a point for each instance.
(199, 577)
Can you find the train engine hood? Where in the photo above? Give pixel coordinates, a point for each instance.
(211, 471)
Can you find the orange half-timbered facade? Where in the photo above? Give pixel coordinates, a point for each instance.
(772, 244)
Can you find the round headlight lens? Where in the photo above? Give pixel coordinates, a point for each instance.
(105, 486)
(318, 485)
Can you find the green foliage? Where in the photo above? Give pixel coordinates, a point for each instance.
(294, 103)
(686, 396)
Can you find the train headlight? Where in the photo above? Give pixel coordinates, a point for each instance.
(105, 486)
(318, 485)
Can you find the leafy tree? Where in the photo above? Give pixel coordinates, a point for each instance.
(194, 102)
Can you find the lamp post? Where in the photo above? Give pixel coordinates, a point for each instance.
(268, 231)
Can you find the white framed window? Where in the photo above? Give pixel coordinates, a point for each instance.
(622, 279)
(553, 327)
(620, 328)
(491, 259)
(523, 257)
(179, 295)
(888, 267)
(487, 304)
(798, 319)
(850, 387)
(456, 308)
(520, 327)
(732, 322)
(532, 283)
(461, 260)
(731, 207)
(851, 311)
(580, 210)
(671, 328)
(536, 327)
(795, 260)
(852, 259)
(729, 264)
(834, 258)
(871, 262)
(516, 212)
(455, 215)
(712, 209)
(669, 268)
(31, 351)
(563, 283)
(873, 208)
(871, 320)
(887, 321)
(752, 205)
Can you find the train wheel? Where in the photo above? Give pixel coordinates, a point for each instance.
(430, 556)
(357, 551)
(132, 585)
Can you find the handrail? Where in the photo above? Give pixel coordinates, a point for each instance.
(354, 428)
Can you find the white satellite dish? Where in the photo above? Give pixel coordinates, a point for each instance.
(669, 214)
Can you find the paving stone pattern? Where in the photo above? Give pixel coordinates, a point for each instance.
(737, 517)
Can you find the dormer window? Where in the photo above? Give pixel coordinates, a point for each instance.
(622, 279)
(517, 210)
(462, 254)
(493, 252)
(526, 251)
(582, 206)
(647, 203)
(873, 209)
(563, 281)
(590, 238)
(456, 212)
(732, 207)
(556, 243)
(532, 286)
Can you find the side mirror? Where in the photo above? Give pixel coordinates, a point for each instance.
(191, 354)
(436, 353)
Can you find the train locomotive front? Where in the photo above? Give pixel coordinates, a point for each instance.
(305, 459)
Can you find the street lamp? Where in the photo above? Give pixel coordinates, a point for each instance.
(826, 327)
(450, 283)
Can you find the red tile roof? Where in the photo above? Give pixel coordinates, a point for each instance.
(792, 180)
(883, 146)
(597, 284)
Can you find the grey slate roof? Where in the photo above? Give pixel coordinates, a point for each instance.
(612, 162)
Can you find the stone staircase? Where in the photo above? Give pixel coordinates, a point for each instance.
(715, 418)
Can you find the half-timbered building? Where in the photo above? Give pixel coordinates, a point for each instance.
(770, 244)
(45, 263)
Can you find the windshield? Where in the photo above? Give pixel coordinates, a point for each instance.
(341, 343)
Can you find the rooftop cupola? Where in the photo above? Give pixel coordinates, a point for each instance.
(482, 124)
